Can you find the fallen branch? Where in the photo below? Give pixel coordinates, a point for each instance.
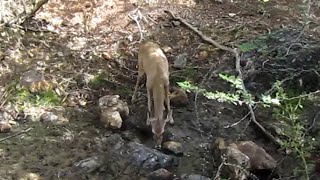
(238, 68)
(16, 134)
(36, 8)
(24, 17)
(132, 15)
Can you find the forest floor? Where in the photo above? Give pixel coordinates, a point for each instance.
(89, 48)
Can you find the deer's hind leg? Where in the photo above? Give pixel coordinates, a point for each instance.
(167, 101)
(140, 74)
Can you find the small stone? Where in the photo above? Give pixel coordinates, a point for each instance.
(111, 119)
(160, 174)
(106, 56)
(5, 127)
(11, 122)
(33, 113)
(112, 111)
(89, 164)
(48, 117)
(167, 49)
(180, 60)
(173, 146)
(30, 176)
(232, 14)
(203, 55)
(193, 177)
(179, 97)
(176, 23)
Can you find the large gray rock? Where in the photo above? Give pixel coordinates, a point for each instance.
(135, 158)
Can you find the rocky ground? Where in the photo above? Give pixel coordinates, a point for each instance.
(88, 49)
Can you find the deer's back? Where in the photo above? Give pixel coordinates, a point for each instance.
(153, 61)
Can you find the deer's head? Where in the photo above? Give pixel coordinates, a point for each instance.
(158, 126)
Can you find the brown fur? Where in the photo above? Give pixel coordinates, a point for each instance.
(153, 62)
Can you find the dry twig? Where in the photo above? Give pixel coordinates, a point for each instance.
(24, 17)
(137, 16)
(16, 134)
(238, 68)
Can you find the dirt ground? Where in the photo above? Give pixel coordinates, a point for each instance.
(91, 48)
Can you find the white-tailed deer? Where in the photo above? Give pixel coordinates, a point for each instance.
(153, 62)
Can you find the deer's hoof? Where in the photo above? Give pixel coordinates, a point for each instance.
(158, 147)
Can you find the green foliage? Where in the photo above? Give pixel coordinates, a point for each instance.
(238, 97)
(188, 86)
(289, 115)
(26, 99)
(235, 82)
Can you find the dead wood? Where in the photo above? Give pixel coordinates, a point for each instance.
(23, 17)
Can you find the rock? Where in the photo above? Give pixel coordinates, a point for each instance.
(112, 111)
(193, 177)
(30, 176)
(55, 116)
(179, 97)
(49, 117)
(244, 154)
(259, 158)
(202, 55)
(136, 157)
(176, 23)
(167, 49)
(88, 165)
(160, 174)
(147, 158)
(110, 118)
(6, 119)
(107, 56)
(239, 163)
(35, 81)
(33, 113)
(180, 61)
(173, 146)
(5, 127)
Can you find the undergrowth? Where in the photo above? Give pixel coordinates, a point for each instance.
(287, 109)
(24, 98)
